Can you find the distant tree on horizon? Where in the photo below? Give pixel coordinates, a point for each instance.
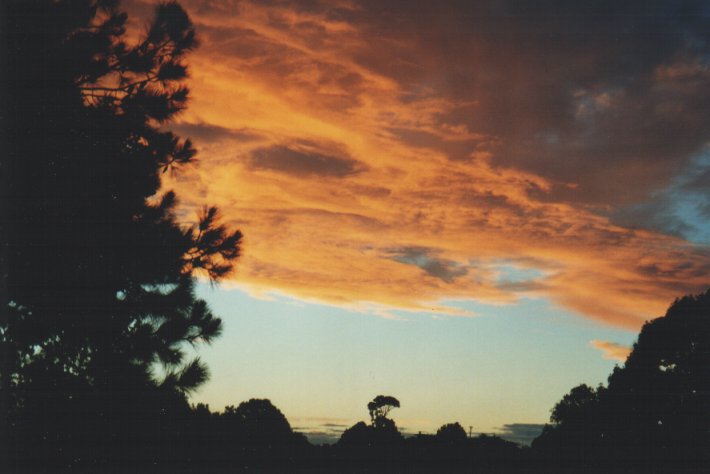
(380, 433)
(451, 433)
(380, 407)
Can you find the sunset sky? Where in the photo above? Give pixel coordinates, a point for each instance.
(472, 206)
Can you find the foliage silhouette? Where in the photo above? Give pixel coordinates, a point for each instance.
(574, 406)
(260, 422)
(379, 407)
(451, 433)
(100, 294)
(656, 408)
(381, 432)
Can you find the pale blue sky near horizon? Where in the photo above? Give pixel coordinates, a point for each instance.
(320, 364)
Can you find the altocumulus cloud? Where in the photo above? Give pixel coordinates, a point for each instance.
(477, 131)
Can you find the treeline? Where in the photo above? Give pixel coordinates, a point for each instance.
(173, 436)
(653, 416)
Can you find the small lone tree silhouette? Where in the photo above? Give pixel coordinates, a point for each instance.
(379, 407)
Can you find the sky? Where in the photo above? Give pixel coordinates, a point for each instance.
(471, 206)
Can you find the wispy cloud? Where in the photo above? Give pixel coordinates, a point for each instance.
(611, 350)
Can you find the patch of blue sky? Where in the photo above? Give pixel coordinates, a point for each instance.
(689, 196)
(689, 210)
(510, 273)
(681, 208)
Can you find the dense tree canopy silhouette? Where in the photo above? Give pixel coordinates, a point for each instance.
(100, 300)
(655, 409)
(663, 390)
(451, 433)
(573, 406)
(260, 422)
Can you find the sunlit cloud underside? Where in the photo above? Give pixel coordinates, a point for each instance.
(391, 159)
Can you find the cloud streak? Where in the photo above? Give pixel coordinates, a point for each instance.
(384, 158)
(301, 162)
(611, 350)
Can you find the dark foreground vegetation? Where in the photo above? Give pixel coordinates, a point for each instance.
(99, 307)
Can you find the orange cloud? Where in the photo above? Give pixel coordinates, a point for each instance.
(611, 350)
(340, 174)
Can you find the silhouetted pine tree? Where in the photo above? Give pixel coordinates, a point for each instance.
(100, 274)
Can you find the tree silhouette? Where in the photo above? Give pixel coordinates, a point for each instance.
(260, 422)
(380, 436)
(659, 401)
(379, 407)
(100, 294)
(574, 408)
(574, 434)
(451, 433)
(656, 408)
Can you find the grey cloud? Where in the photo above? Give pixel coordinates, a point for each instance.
(688, 269)
(704, 209)
(371, 191)
(454, 149)
(210, 133)
(521, 286)
(656, 214)
(522, 433)
(681, 209)
(325, 433)
(486, 200)
(445, 270)
(700, 182)
(283, 217)
(303, 163)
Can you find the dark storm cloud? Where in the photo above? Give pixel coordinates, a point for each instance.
(301, 162)
(596, 93)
